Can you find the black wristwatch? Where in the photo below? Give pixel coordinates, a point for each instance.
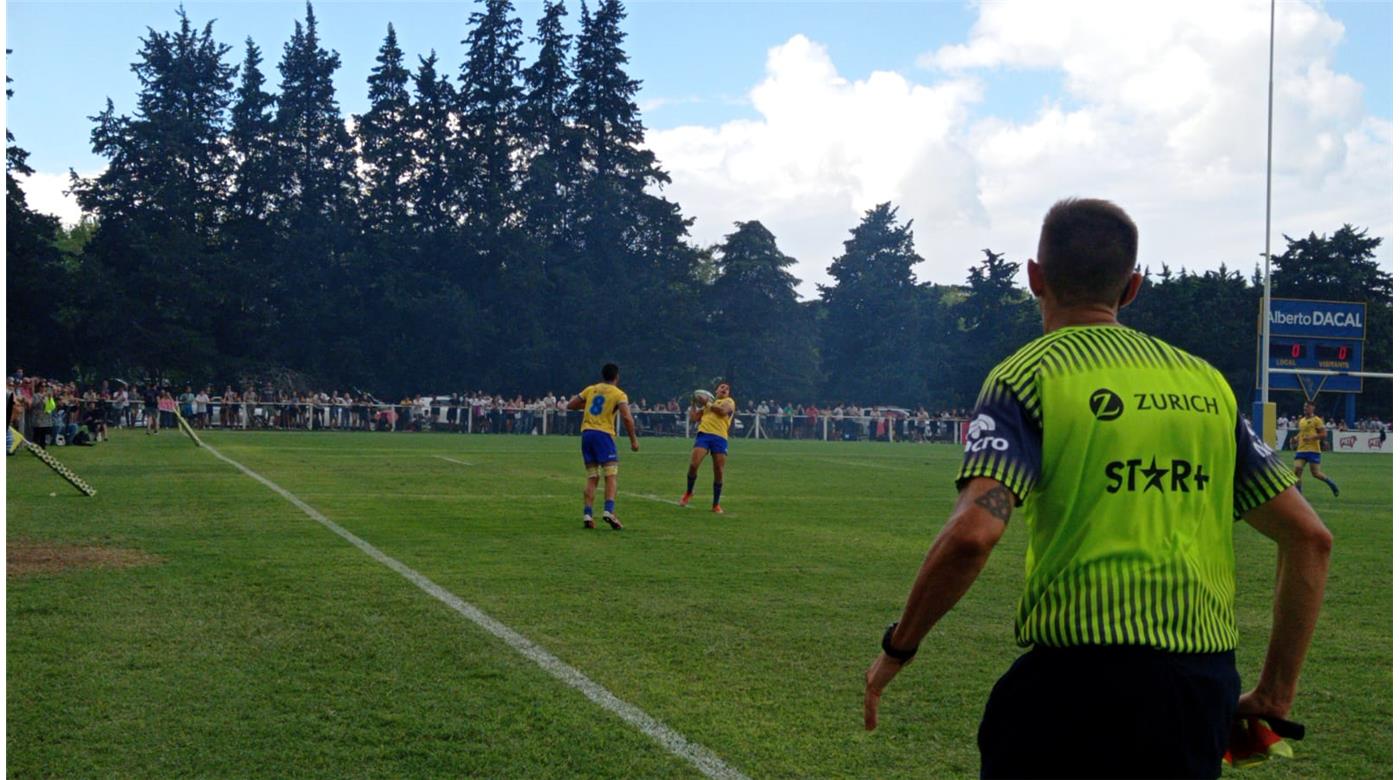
(901, 656)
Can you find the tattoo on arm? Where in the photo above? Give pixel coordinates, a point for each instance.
(999, 502)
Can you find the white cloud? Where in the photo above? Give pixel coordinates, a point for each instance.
(655, 104)
(1164, 110)
(824, 150)
(45, 193)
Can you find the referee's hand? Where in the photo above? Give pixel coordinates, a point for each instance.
(1257, 703)
(876, 678)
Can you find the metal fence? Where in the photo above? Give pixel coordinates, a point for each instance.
(538, 421)
(524, 421)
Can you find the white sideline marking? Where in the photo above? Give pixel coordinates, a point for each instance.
(867, 464)
(658, 499)
(704, 759)
(645, 496)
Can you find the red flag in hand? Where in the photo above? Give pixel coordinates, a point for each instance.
(1252, 741)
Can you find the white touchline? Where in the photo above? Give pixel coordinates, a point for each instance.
(650, 497)
(453, 460)
(704, 759)
(645, 496)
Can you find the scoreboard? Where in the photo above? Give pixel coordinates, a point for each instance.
(1326, 335)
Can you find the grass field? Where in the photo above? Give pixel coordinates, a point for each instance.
(244, 639)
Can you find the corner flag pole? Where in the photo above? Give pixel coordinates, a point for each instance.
(1268, 227)
(52, 462)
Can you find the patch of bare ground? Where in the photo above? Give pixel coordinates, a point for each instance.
(26, 557)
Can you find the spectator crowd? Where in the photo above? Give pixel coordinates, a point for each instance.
(51, 412)
(1369, 425)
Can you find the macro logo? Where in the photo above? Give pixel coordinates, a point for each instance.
(980, 425)
(1105, 404)
(977, 438)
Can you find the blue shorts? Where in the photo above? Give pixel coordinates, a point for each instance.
(717, 445)
(1311, 457)
(599, 448)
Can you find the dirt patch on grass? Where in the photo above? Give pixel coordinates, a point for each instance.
(24, 557)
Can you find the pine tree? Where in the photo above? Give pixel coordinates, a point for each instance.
(34, 273)
(317, 288)
(996, 318)
(546, 132)
(161, 199)
(631, 242)
(431, 186)
(386, 152)
(247, 323)
(604, 103)
(488, 104)
(252, 140)
(769, 344)
(871, 329)
(314, 148)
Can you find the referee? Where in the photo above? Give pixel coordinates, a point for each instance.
(1132, 463)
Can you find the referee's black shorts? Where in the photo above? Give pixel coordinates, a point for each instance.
(1110, 712)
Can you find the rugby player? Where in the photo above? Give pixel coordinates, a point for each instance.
(711, 438)
(600, 403)
(1308, 443)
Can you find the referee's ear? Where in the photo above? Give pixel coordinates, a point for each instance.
(1130, 291)
(1035, 277)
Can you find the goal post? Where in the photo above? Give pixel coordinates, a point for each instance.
(1311, 382)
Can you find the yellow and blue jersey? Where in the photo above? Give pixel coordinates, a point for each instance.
(715, 423)
(1311, 426)
(600, 407)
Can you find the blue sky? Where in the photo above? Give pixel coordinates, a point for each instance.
(702, 62)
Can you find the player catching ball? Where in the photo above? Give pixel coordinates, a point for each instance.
(1311, 431)
(599, 404)
(712, 437)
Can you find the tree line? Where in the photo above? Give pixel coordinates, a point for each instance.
(505, 227)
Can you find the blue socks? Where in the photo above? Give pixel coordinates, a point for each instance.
(608, 505)
(718, 487)
(588, 510)
(690, 482)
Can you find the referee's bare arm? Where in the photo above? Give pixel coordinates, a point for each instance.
(953, 563)
(1304, 548)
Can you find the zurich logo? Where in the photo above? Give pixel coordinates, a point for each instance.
(1105, 404)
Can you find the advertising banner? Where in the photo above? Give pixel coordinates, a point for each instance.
(1360, 441)
(1318, 319)
(1340, 441)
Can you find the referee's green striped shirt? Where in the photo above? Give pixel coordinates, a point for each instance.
(1132, 463)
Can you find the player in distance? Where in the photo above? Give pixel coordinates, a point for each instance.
(600, 404)
(712, 438)
(1308, 447)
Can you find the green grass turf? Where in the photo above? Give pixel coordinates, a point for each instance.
(263, 645)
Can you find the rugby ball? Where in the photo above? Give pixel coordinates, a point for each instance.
(701, 398)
